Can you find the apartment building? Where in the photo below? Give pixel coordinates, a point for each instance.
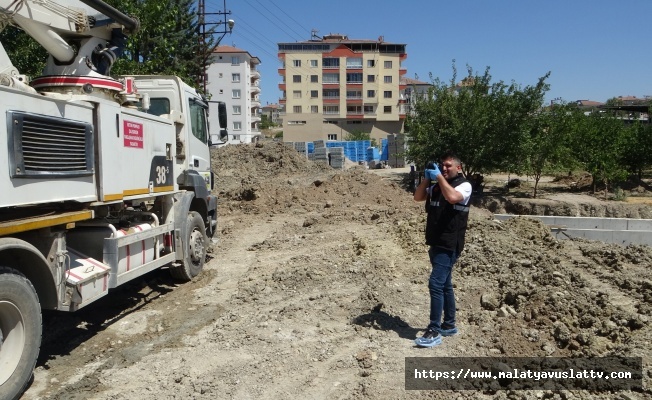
(273, 113)
(232, 77)
(414, 89)
(333, 86)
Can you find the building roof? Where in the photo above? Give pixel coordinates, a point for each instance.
(340, 38)
(588, 103)
(234, 50)
(410, 81)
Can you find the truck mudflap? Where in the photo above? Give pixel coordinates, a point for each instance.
(86, 281)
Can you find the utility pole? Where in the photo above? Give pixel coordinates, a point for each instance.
(222, 27)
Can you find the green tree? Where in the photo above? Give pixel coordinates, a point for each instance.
(598, 144)
(24, 52)
(168, 42)
(637, 149)
(357, 135)
(547, 149)
(484, 123)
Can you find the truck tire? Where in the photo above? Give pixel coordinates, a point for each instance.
(195, 247)
(20, 332)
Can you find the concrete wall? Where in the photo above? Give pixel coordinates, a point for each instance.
(623, 231)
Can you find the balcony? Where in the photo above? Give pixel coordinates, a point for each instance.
(402, 71)
(281, 86)
(255, 73)
(255, 89)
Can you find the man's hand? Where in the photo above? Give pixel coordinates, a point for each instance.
(432, 173)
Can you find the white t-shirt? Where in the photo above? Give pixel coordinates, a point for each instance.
(464, 188)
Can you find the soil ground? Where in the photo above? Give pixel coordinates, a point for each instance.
(317, 287)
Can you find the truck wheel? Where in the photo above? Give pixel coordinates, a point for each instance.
(195, 247)
(20, 332)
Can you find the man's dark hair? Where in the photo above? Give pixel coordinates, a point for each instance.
(449, 155)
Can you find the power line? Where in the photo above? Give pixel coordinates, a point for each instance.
(267, 18)
(251, 28)
(295, 21)
(281, 21)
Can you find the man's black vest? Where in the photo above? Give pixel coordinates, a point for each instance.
(446, 223)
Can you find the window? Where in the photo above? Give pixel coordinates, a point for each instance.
(369, 110)
(326, 121)
(296, 63)
(221, 91)
(331, 78)
(237, 125)
(314, 109)
(296, 78)
(237, 110)
(235, 93)
(296, 94)
(332, 136)
(158, 106)
(235, 77)
(235, 60)
(314, 94)
(354, 63)
(388, 79)
(331, 109)
(314, 78)
(371, 63)
(198, 121)
(296, 122)
(220, 75)
(387, 109)
(371, 78)
(314, 63)
(388, 64)
(330, 62)
(353, 94)
(354, 77)
(331, 93)
(353, 109)
(371, 93)
(296, 109)
(387, 94)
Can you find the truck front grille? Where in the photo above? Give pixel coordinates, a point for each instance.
(43, 145)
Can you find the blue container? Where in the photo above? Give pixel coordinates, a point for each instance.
(373, 154)
(311, 147)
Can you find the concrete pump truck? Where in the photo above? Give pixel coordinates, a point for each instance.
(101, 179)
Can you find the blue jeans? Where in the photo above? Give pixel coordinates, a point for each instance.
(442, 297)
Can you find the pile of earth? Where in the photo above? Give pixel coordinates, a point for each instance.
(531, 295)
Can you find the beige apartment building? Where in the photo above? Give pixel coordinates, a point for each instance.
(334, 85)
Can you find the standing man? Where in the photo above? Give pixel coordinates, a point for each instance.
(447, 194)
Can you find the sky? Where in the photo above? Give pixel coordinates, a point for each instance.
(593, 49)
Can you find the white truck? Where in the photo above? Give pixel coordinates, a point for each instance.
(102, 180)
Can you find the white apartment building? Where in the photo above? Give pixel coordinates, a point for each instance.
(333, 86)
(232, 77)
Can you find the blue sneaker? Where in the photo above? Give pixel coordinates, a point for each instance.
(431, 338)
(448, 332)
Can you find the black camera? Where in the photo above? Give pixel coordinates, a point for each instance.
(431, 165)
